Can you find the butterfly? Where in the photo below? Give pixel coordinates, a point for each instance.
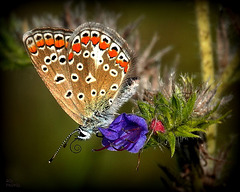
(88, 71)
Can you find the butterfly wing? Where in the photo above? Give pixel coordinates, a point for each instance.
(99, 62)
(86, 70)
(47, 48)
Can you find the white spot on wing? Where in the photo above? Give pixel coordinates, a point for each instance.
(90, 78)
(102, 92)
(74, 77)
(44, 68)
(68, 94)
(105, 67)
(93, 92)
(114, 87)
(47, 60)
(113, 72)
(62, 59)
(59, 78)
(80, 66)
(80, 96)
(53, 57)
(86, 54)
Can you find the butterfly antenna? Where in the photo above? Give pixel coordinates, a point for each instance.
(63, 144)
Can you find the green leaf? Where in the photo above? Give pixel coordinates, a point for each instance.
(177, 104)
(188, 108)
(159, 99)
(164, 114)
(147, 111)
(190, 129)
(172, 142)
(185, 131)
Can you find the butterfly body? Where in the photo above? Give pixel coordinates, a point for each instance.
(87, 70)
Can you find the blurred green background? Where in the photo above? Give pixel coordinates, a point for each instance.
(33, 124)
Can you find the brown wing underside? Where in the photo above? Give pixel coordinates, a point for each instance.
(83, 70)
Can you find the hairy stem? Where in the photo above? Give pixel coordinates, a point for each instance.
(207, 62)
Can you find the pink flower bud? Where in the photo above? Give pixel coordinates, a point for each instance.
(157, 125)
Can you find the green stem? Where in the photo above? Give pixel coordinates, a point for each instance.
(207, 62)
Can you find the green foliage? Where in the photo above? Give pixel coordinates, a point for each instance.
(178, 117)
(12, 52)
(146, 111)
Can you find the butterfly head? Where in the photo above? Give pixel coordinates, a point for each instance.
(83, 134)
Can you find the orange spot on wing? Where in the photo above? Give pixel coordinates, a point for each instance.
(126, 69)
(40, 43)
(49, 42)
(70, 56)
(59, 43)
(85, 40)
(95, 40)
(103, 45)
(33, 49)
(122, 63)
(112, 53)
(76, 47)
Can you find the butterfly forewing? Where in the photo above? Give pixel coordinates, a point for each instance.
(47, 49)
(98, 66)
(84, 69)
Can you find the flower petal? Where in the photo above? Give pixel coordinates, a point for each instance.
(138, 145)
(138, 121)
(106, 143)
(126, 132)
(118, 124)
(109, 134)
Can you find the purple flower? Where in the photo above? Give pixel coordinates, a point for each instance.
(126, 132)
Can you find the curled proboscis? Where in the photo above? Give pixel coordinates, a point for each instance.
(75, 147)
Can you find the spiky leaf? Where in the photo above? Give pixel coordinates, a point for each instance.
(147, 111)
(188, 107)
(172, 142)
